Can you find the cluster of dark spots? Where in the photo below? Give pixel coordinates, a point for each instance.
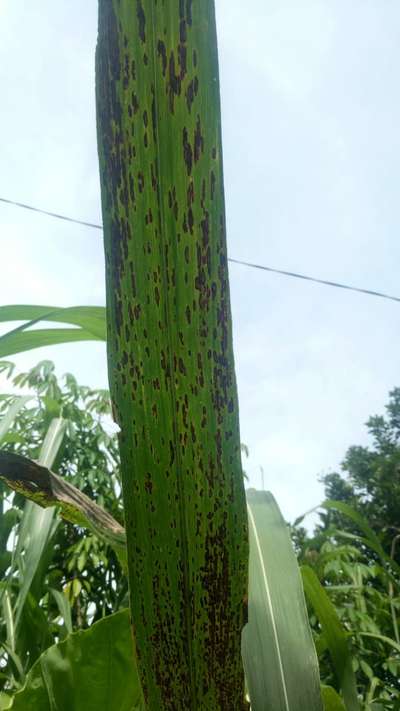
(182, 30)
(162, 53)
(187, 254)
(182, 367)
(157, 295)
(141, 181)
(203, 194)
(190, 193)
(189, 18)
(187, 151)
(173, 202)
(149, 217)
(190, 220)
(153, 177)
(109, 34)
(133, 279)
(182, 55)
(141, 20)
(188, 315)
(212, 184)
(131, 188)
(191, 92)
(145, 140)
(214, 153)
(134, 106)
(174, 82)
(127, 68)
(148, 485)
(198, 141)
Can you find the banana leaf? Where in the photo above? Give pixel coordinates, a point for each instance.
(279, 656)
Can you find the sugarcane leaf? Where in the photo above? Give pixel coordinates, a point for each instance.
(41, 486)
(17, 342)
(90, 670)
(370, 538)
(358, 519)
(278, 651)
(38, 524)
(64, 608)
(170, 352)
(90, 318)
(11, 413)
(335, 636)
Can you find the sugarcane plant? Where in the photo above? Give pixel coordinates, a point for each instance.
(174, 397)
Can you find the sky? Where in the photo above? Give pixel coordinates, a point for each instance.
(310, 112)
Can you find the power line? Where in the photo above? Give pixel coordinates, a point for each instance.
(51, 214)
(283, 272)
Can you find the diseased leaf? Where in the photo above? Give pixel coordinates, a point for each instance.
(170, 350)
(278, 651)
(41, 486)
(37, 524)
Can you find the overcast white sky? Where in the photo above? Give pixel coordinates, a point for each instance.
(312, 152)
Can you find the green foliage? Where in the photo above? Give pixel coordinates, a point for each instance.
(76, 578)
(354, 553)
(278, 651)
(89, 322)
(370, 480)
(334, 637)
(90, 670)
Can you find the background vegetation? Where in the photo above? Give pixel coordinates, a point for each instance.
(77, 579)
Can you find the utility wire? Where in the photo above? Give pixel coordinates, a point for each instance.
(283, 272)
(51, 214)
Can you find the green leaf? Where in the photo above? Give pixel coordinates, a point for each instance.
(170, 351)
(380, 637)
(5, 701)
(335, 636)
(64, 608)
(90, 318)
(10, 415)
(370, 538)
(12, 342)
(88, 671)
(332, 700)
(358, 519)
(37, 524)
(278, 651)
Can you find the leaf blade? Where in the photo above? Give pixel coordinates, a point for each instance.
(278, 652)
(335, 636)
